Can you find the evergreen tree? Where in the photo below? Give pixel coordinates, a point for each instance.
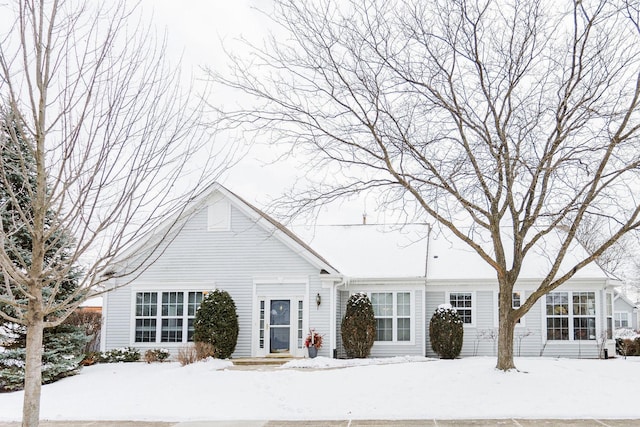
(216, 323)
(446, 331)
(63, 345)
(358, 326)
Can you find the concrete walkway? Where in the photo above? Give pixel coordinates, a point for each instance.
(346, 423)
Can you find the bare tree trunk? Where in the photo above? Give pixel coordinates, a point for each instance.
(505, 332)
(32, 376)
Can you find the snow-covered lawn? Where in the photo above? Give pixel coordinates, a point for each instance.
(399, 388)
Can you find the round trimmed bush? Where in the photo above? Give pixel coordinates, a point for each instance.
(358, 326)
(446, 332)
(216, 323)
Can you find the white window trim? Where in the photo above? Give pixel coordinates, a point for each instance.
(412, 315)
(473, 306)
(571, 316)
(496, 313)
(150, 288)
(616, 318)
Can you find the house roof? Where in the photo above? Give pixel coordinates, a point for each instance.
(278, 230)
(379, 251)
(412, 251)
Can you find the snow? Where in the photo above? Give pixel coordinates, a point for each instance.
(323, 389)
(400, 251)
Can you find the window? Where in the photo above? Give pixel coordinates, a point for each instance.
(571, 315)
(621, 319)
(146, 312)
(172, 312)
(195, 298)
(393, 316)
(463, 303)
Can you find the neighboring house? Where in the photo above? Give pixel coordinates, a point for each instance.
(283, 285)
(625, 312)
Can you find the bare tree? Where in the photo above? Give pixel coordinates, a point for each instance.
(88, 91)
(512, 120)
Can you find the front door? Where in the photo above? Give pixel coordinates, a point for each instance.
(279, 326)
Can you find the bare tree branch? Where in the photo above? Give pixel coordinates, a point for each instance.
(516, 121)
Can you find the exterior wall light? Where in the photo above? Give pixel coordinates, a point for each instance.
(318, 299)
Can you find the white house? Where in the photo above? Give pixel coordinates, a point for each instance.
(625, 313)
(283, 285)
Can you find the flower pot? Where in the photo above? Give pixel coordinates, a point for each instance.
(313, 352)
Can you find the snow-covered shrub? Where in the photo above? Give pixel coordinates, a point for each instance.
(61, 357)
(446, 332)
(216, 323)
(123, 354)
(626, 333)
(156, 355)
(358, 326)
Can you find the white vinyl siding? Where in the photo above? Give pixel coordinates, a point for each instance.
(196, 259)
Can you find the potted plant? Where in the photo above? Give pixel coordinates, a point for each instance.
(313, 343)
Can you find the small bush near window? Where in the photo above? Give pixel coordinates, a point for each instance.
(156, 355)
(187, 355)
(203, 350)
(124, 354)
(358, 326)
(194, 352)
(216, 323)
(628, 346)
(446, 332)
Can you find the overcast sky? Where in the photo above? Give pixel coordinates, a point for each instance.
(197, 31)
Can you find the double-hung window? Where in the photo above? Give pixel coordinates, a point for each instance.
(392, 311)
(463, 303)
(146, 316)
(165, 316)
(571, 315)
(621, 319)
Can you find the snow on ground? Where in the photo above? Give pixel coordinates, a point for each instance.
(322, 389)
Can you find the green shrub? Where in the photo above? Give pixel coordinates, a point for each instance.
(216, 323)
(123, 354)
(358, 326)
(446, 332)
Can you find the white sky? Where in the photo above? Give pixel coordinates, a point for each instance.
(197, 30)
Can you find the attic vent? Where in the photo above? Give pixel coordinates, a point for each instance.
(219, 216)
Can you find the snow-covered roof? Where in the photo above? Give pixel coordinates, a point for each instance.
(383, 251)
(370, 250)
